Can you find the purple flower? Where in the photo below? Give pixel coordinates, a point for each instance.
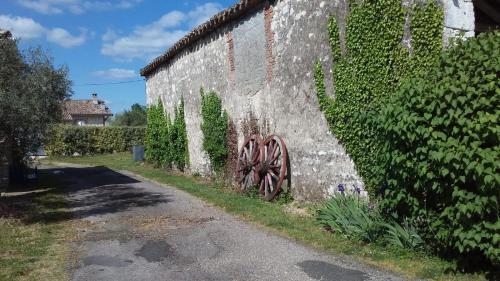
(341, 188)
(357, 189)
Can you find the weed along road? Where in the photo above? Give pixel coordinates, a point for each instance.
(132, 229)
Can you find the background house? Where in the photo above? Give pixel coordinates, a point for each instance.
(92, 112)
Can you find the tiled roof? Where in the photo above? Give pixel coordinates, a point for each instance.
(236, 11)
(84, 107)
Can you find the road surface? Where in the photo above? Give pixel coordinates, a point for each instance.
(133, 229)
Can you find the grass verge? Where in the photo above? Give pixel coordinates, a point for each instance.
(304, 229)
(33, 238)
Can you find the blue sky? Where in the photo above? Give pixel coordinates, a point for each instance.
(105, 41)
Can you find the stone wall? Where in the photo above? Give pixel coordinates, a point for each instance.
(262, 67)
(459, 19)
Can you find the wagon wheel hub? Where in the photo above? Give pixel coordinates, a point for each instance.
(264, 167)
(263, 163)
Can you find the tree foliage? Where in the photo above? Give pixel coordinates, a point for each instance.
(136, 116)
(32, 91)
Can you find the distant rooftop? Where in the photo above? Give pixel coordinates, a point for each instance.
(92, 106)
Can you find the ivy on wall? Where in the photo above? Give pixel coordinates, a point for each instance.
(166, 139)
(215, 129)
(374, 64)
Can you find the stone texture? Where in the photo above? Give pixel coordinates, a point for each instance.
(459, 14)
(458, 19)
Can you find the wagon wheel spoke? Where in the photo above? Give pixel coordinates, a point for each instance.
(273, 175)
(249, 157)
(271, 185)
(261, 187)
(275, 165)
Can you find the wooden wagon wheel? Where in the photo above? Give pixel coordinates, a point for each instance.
(248, 160)
(273, 168)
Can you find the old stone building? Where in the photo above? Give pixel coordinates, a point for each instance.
(259, 56)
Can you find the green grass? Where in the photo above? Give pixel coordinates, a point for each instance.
(33, 242)
(304, 229)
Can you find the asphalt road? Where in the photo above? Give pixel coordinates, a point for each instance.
(131, 229)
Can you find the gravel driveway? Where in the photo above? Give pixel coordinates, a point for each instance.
(132, 229)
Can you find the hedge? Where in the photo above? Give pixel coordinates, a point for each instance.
(166, 138)
(67, 140)
(214, 127)
(441, 135)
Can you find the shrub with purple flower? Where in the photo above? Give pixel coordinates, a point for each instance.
(341, 188)
(357, 189)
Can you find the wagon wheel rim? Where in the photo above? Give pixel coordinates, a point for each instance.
(249, 158)
(273, 169)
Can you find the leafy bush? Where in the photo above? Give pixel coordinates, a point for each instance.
(402, 236)
(351, 216)
(441, 133)
(67, 140)
(214, 128)
(166, 140)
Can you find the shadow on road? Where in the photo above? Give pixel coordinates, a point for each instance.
(320, 270)
(98, 190)
(90, 191)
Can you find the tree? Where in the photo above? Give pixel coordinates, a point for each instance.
(136, 116)
(32, 92)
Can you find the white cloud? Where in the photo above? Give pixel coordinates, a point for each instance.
(115, 73)
(203, 13)
(27, 28)
(75, 6)
(148, 41)
(63, 38)
(109, 35)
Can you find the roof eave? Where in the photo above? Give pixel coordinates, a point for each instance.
(232, 13)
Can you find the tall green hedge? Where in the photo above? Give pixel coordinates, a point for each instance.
(441, 135)
(67, 140)
(215, 129)
(166, 139)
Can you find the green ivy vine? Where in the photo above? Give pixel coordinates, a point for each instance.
(215, 129)
(374, 63)
(166, 139)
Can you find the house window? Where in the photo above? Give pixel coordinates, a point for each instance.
(80, 122)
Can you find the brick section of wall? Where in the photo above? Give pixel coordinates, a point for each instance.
(230, 59)
(270, 61)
